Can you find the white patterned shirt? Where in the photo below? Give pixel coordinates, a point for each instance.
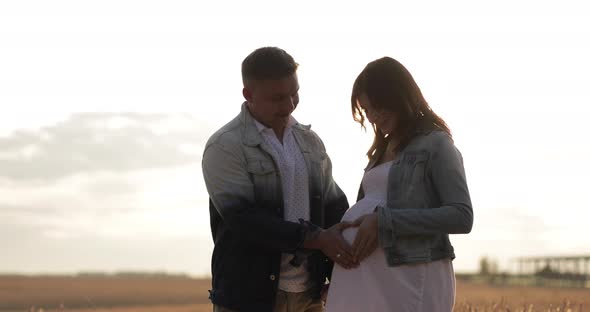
(295, 186)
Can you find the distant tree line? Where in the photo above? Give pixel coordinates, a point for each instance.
(488, 266)
(132, 274)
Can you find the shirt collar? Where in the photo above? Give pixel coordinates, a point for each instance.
(261, 128)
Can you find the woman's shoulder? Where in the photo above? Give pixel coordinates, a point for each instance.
(432, 139)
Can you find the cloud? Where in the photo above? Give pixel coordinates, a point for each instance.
(94, 142)
(167, 201)
(102, 177)
(36, 251)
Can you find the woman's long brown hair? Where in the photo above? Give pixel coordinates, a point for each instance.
(390, 86)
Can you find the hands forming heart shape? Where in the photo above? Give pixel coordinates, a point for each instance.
(333, 244)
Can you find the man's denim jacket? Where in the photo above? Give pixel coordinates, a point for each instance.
(427, 199)
(246, 210)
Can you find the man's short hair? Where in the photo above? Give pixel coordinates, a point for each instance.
(268, 63)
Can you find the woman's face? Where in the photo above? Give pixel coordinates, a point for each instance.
(384, 120)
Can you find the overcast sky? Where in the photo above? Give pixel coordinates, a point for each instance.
(106, 106)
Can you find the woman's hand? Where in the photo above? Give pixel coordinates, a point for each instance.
(366, 239)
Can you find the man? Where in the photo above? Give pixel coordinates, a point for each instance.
(274, 206)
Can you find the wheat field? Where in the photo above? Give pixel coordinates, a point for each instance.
(135, 294)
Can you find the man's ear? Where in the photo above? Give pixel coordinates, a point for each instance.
(247, 94)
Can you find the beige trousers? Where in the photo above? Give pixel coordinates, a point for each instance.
(289, 302)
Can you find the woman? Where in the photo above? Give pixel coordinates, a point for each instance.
(413, 195)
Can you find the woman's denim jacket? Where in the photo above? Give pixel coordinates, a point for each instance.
(427, 199)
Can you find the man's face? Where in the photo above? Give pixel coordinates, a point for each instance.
(271, 102)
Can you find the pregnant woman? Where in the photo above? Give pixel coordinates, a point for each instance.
(413, 195)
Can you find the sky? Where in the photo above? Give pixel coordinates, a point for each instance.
(106, 107)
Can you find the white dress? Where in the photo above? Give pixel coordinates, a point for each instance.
(375, 286)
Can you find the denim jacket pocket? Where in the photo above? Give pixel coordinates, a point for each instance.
(415, 167)
(264, 177)
(320, 157)
(414, 175)
(260, 166)
(318, 163)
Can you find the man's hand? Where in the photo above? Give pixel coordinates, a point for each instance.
(333, 245)
(366, 239)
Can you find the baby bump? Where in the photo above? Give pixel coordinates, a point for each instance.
(349, 234)
(375, 259)
(361, 208)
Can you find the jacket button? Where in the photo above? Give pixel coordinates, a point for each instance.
(273, 277)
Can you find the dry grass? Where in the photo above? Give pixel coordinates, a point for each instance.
(156, 308)
(92, 294)
(483, 298)
(20, 293)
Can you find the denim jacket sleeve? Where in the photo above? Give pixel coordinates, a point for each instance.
(455, 213)
(231, 192)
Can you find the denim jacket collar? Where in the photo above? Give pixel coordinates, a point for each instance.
(252, 137)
